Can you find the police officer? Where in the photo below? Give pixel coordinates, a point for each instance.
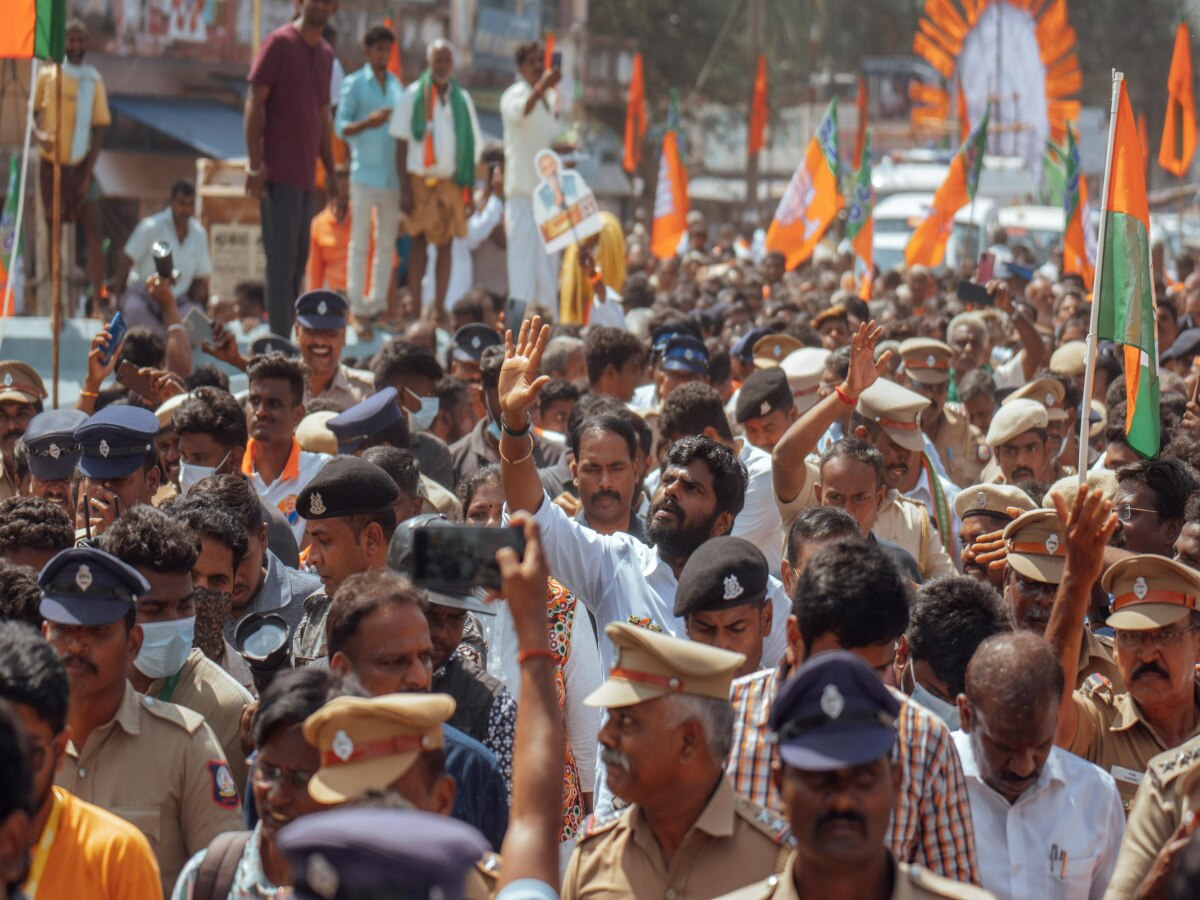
(1020, 442)
(53, 454)
(1036, 551)
(376, 420)
(959, 444)
(321, 337)
(765, 407)
(984, 509)
(835, 726)
(805, 369)
(686, 833)
(118, 464)
(21, 396)
(155, 764)
(1051, 393)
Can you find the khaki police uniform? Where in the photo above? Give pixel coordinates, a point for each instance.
(906, 522)
(204, 687)
(912, 882)
(19, 383)
(159, 767)
(1097, 659)
(347, 387)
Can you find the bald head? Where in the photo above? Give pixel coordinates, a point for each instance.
(1014, 675)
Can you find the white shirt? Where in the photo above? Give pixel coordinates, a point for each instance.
(190, 257)
(645, 397)
(759, 521)
(1010, 374)
(610, 313)
(444, 142)
(620, 579)
(282, 492)
(1073, 810)
(525, 135)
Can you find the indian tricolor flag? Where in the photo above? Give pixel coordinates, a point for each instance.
(1124, 287)
(671, 192)
(33, 28)
(927, 246)
(812, 198)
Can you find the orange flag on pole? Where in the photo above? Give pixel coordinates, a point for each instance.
(964, 117)
(549, 49)
(394, 65)
(1179, 129)
(670, 194)
(860, 136)
(758, 107)
(812, 198)
(635, 118)
(927, 246)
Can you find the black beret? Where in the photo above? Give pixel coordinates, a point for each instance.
(347, 486)
(723, 572)
(764, 392)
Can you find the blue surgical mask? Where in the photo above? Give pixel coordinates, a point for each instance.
(165, 647)
(947, 712)
(423, 417)
(493, 426)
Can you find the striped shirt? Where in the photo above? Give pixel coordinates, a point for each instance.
(931, 824)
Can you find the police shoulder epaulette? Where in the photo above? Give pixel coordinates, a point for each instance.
(177, 715)
(941, 886)
(1096, 685)
(1175, 762)
(593, 827)
(767, 821)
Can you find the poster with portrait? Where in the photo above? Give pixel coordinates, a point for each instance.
(564, 207)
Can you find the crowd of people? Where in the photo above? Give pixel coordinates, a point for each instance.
(800, 593)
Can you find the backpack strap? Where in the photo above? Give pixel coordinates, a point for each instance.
(214, 879)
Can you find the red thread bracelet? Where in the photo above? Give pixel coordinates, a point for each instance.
(844, 397)
(525, 655)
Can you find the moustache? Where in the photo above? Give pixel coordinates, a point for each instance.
(1149, 669)
(606, 495)
(13, 433)
(74, 660)
(1038, 614)
(830, 818)
(615, 758)
(1022, 474)
(666, 504)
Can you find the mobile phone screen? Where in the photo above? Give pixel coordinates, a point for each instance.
(116, 333)
(129, 376)
(459, 559)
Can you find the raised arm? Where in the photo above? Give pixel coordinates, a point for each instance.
(1088, 526)
(519, 387)
(1031, 341)
(788, 471)
(530, 847)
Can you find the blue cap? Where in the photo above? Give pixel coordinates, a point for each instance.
(663, 333)
(470, 341)
(322, 310)
(833, 714)
(348, 853)
(116, 441)
(50, 440)
(85, 586)
(1187, 343)
(273, 343)
(684, 353)
(364, 419)
(743, 347)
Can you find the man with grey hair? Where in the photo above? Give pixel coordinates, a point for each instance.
(564, 358)
(669, 730)
(438, 147)
(971, 345)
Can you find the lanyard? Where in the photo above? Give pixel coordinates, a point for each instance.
(43, 848)
(168, 688)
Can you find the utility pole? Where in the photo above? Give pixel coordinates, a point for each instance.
(756, 43)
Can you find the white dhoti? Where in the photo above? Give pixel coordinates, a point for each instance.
(532, 272)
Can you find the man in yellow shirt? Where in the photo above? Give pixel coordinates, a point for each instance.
(72, 136)
(81, 851)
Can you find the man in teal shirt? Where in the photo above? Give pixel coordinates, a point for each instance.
(363, 112)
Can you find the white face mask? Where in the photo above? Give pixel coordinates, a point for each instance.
(189, 474)
(165, 647)
(423, 417)
(947, 712)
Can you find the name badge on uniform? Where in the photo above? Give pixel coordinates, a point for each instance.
(1129, 776)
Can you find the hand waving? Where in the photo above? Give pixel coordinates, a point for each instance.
(1089, 524)
(520, 383)
(864, 368)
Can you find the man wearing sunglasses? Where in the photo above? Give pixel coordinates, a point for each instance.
(1156, 649)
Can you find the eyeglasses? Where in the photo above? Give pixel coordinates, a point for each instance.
(1125, 511)
(1162, 640)
(267, 775)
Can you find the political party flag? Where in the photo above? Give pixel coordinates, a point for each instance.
(861, 103)
(960, 112)
(1052, 187)
(758, 107)
(394, 65)
(34, 28)
(1124, 286)
(635, 118)
(860, 227)
(1179, 128)
(812, 198)
(927, 246)
(1078, 257)
(1144, 139)
(670, 194)
(10, 232)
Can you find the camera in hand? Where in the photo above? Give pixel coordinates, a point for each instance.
(164, 261)
(459, 560)
(264, 641)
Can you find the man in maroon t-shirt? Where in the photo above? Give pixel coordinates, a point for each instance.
(287, 125)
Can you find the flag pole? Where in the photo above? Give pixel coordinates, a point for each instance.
(56, 234)
(1089, 374)
(12, 258)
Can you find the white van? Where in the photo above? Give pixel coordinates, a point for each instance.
(1040, 228)
(896, 218)
(972, 230)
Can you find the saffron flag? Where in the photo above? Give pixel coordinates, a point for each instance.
(758, 107)
(670, 194)
(812, 198)
(34, 28)
(394, 65)
(964, 117)
(635, 118)
(10, 231)
(1078, 258)
(1125, 288)
(927, 246)
(1179, 129)
(861, 101)
(860, 227)
(549, 50)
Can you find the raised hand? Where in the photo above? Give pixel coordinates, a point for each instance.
(864, 368)
(520, 383)
(523, 585)
(1089, 524)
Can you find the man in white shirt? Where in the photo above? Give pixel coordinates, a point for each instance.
(1047, 823)
(438, 148)
(530, 125)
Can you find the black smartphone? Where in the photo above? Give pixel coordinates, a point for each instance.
(116, 333)
(514, 314)
(142, 385)
(556, 59)
(460, 559)
(164, 260)
(975, 294)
